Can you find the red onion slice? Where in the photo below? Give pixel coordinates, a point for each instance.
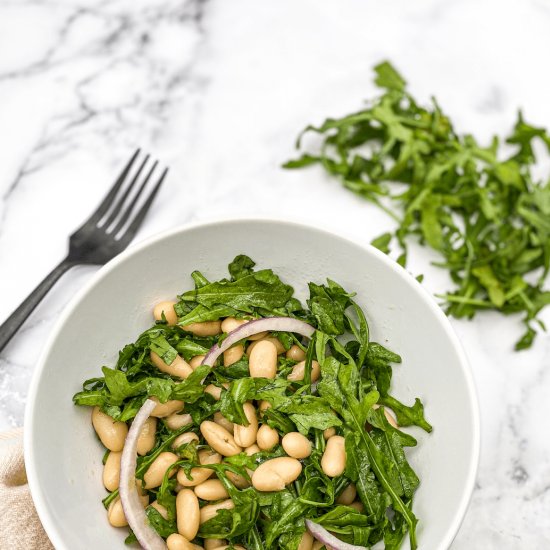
(270, 324)
(329, 540)
(131, 503)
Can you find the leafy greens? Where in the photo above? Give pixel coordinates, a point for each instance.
(480, 208)
(355, 377)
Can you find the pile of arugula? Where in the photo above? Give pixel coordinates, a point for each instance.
(480, 209)
(354, 377)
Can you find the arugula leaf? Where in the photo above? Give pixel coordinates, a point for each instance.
(240, 267)
(245, 389)
(201, 313)
(309, 412)
(407, 416)
(199, 278)
(189, 348)
(190, 389)
(163, 349)
(262, 289)
(286, 511)
(328, 304)
(340, 383)
(242, 518)
(232, 401)
(382, 242)
(388, 77)
(375, 499)
(480, 208)
(391, 442)
(116, 389)
(162, 526)
(350, 524)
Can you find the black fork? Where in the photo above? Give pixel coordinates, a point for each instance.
(106, 233)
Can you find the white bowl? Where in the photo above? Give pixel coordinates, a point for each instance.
(63, 456)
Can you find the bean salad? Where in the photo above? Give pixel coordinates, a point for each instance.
(244, 419)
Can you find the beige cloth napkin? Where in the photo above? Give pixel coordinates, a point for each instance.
(20, 528)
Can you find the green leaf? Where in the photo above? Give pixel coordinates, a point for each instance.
(488, 279)
(200, 279)
(407, 416)
(192, 387)
(162, 526)
(382, 242)
(240, 267)
(232, 400)
(328, 304)
(339, 385)
(262, 289)
(163, 349)
(391, 442)
(388, 77)
(202, 313)
(189, 348)
(303, 161)
(358, 469)
(482, 210)
(309, 412)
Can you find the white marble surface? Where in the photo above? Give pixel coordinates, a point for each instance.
(218, 90)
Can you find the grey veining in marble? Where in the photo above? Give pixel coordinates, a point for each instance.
(219, 91)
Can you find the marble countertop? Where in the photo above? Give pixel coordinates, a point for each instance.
(219, 90)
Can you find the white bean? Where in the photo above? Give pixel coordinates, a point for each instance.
(214, 544)
(348, 495)
(210, 510)
(246, 435)
(166, 409)
(296, 445)
(333, 462)
(155, 473)
(258, 336)
(160, 509)
(229, 324)
(198, 474)
(238, 480)
(147, 436)
(232, 355)
(389, 416)
(187, 513)
(298, 371)
(220, 419)
(111, 471)
(263, 360)
(357, 505)
(111, 432)
(177, 542)
(275, 474)
(196, 361)
(184, 439)
(169, 314)
(306, 542)
(214, 391)
(275, 341)
(267, 437)
(176, 421)
(211, 489)
(296, 353)
(252, 450)
(219, 438)
(206, 328)
(178, 367)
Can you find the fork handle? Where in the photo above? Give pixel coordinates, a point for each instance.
(18, 317)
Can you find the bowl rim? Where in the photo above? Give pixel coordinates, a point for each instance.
(30, 455)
